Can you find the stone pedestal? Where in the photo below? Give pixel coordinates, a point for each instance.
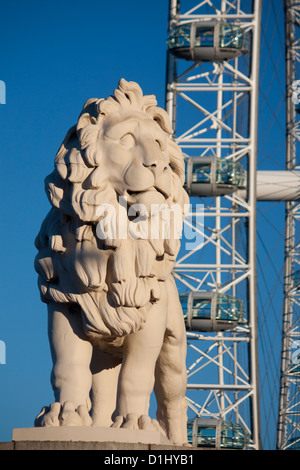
(93, 438)
(89, 434)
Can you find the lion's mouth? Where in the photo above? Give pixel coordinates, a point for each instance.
(153, 188)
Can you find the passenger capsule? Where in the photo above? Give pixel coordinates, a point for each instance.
(296, 279)
(211, 311)
(217, 433)
(208, 41)
(211, 176)
(294, 365)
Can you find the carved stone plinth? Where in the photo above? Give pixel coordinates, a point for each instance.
(93, 438)
(89, 434)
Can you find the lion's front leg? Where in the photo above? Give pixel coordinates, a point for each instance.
(136, 379)
(71, 375)
(170, 374)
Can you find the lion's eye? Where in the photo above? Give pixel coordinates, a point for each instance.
(172, 166)
(127, 140)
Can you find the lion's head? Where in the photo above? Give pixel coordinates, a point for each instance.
(119, 156)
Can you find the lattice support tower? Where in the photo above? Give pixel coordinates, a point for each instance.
(213, 105)
(288, 435)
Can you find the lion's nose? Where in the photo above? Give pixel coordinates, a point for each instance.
(152, 156)
(157, 168)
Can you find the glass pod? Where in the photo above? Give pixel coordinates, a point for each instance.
(211, 311)
(212, 176)
(208, 41)
(217, 433)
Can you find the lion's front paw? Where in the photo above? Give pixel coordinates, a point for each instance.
(58, 414)
(133, 421)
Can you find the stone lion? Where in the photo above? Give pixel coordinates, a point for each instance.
(116, 328)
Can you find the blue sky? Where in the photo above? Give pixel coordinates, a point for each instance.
(53, 56)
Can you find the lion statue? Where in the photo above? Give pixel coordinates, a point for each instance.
(106, 251)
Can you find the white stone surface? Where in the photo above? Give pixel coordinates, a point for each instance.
(89, 434)
(106, 251)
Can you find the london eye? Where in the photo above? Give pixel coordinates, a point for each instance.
(232, 94)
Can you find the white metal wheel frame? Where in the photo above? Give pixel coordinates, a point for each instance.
(288, 434)
(213, 107)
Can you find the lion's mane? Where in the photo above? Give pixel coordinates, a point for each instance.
(113, 282)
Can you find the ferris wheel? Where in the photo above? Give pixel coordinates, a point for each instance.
(212, 92)
(289, 403)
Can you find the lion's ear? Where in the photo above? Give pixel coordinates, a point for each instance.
(87, 133)
(89, 113)
(85, 120)
(161, 117)
(91, 107)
